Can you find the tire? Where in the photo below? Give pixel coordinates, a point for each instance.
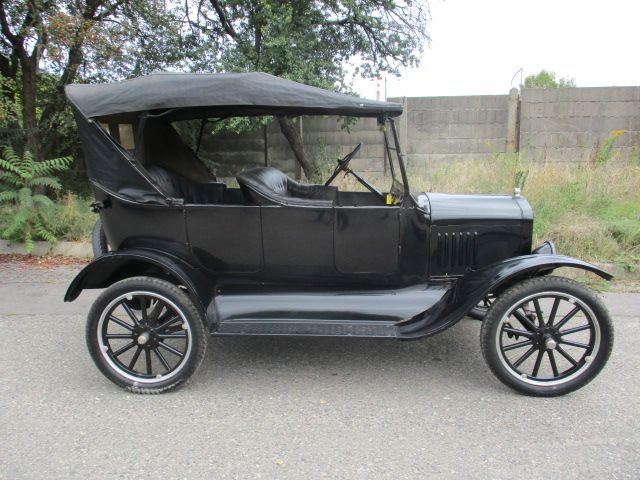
(552, 356)
(99, 240)
(152, 350)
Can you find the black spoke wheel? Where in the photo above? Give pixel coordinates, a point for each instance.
(547, 336)
(146, 335)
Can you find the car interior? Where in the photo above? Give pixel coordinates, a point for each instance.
(179, 173)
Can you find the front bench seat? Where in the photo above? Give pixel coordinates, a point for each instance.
(269, 186)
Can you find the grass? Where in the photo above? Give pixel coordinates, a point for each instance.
(591, 211)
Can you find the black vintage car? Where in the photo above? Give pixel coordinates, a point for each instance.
(190, 256)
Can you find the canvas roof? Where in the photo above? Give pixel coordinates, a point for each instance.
(253, 93)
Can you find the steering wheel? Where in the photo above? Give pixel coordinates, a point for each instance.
(343, 164)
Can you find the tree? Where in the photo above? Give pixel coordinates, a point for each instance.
(47, 44)
(313, 42)
(547, 79)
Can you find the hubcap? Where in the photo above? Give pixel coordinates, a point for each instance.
(550, 343)
(144, 338)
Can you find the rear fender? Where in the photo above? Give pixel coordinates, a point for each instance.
(113, 267)
(475, 285)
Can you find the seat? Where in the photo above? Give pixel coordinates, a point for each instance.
(177, 186)
(269, 186)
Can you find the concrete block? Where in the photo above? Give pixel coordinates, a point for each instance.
(67, 249)
(428, 130)
(531, 110)
(629, 108)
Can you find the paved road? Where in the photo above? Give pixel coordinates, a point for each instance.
(300, 408)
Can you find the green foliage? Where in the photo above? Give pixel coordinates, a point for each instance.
(311, 41)
(605, 150)
(547, 79)
(22, 183)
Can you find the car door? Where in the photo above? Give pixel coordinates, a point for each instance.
(226, 238)
(298, 240)
(366, 239)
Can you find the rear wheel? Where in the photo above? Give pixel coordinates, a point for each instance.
(547, 336)
(99, 240)
(146, 335)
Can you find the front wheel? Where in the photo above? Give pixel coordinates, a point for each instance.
(547, 336)
(146, 335)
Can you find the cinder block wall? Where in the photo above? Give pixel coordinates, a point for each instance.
(570, 124)
(556, 125)
(444, 129)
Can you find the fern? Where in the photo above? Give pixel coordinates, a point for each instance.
(53, 165)
(8, 196)
(28, 241)
(43, 231)
(19, 175)
(42, 200)
(9, 166)
(46, 182)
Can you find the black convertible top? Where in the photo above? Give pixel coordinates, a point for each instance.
(253, 93)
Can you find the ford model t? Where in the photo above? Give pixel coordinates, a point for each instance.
(192, 256)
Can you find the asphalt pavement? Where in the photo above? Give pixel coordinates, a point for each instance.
(300, 408)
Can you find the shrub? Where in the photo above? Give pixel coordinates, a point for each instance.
(23, 183)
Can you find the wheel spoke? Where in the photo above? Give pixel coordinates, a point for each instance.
(124, 349)
(165, 324)
(111, 336)
(130, 313)
(575, 330)
(172, 335)
(567, 317)
(552, 361)
(575, 344)
(134, 359)
(120, 322)
(156, 310)
(536, 304)
(554, 310)
(513, 346)
(516, 331)
(562, 352)
(143, 309)
(526, 355)
(524, 320)
(536, 367)
(147, 354)
(171, 349)
(163, 360)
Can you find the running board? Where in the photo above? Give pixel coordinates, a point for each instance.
(322, 328)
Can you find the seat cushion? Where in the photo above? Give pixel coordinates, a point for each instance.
(269, 186)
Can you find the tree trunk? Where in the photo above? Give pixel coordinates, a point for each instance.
(292, 134)
(29, 118)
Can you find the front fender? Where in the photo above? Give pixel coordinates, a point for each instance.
(115, 266)
(476, 284)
